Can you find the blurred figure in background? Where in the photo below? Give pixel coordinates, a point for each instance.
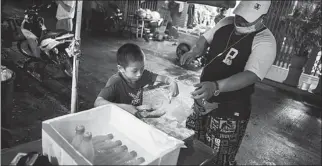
(191, 13)
(87, 14)
(221, 15)
(65, 14)
(98, 15)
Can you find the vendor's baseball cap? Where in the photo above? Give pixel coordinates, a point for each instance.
(251, 10)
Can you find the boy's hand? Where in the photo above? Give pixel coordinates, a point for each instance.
(144, 107)
(129, 108)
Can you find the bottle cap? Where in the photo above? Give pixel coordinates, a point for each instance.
(80, 129)
(118, 142)
(110, 136)
(87, 136)
(133, 153)
(124, 147)
(141, 160)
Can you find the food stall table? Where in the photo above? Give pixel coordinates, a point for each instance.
(195, 154)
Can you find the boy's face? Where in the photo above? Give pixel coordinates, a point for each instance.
(133, 71)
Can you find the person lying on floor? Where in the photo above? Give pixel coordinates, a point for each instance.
(125, 88)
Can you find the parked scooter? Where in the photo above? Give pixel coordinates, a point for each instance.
(55, 46)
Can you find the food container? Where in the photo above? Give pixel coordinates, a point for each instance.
(176, 113)
(155, 146)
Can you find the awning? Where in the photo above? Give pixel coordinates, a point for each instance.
(215, 3)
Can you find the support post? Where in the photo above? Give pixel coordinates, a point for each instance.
(74, 103)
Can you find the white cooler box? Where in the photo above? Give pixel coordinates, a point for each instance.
(155, 146)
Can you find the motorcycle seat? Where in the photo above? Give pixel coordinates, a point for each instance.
(54, 34)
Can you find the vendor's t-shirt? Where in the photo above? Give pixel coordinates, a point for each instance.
(118, 90)
(227, 56)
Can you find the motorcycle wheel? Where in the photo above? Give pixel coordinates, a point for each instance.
(67, 64)
(24, 48)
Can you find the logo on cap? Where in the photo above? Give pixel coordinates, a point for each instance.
(257, 6)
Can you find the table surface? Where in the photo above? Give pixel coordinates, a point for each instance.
(195, 154)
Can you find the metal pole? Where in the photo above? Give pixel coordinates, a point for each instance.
(74, 103)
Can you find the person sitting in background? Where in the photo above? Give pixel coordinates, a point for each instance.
(125, 88)
(155, 22)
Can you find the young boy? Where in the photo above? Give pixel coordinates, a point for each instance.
(125, 88)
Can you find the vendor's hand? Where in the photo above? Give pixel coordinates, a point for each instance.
(187, 57)
(203, 107)
(204, 90)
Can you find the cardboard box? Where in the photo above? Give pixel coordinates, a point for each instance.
(155, 146)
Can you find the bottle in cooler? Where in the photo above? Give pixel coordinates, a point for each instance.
(116, 150)
(86, 148)
(117, 157)
(127, 157)
(78, 138)
(137, 161)
(111, 154)
(110, 145)
(101, 138)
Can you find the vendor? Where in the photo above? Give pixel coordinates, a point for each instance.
(242, 51)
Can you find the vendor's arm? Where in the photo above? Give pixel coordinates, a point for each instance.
(258, 64)
(204, 41)
(67, 5)
(261, 59)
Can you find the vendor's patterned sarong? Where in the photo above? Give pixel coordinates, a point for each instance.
(224, 135)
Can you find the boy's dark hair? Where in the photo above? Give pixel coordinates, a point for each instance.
(129, 52)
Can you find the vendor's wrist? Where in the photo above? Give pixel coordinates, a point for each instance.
(216, 90)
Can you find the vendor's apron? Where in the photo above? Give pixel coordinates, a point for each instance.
(224, 127)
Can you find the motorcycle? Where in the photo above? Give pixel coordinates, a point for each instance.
(55, 46)
(112, 18)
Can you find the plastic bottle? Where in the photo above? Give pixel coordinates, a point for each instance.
(101, 138)
(78, 138)
(127, 157)
(137, 161)
(117, 153)
(116, 150)
(86, 148)
(110, 145)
